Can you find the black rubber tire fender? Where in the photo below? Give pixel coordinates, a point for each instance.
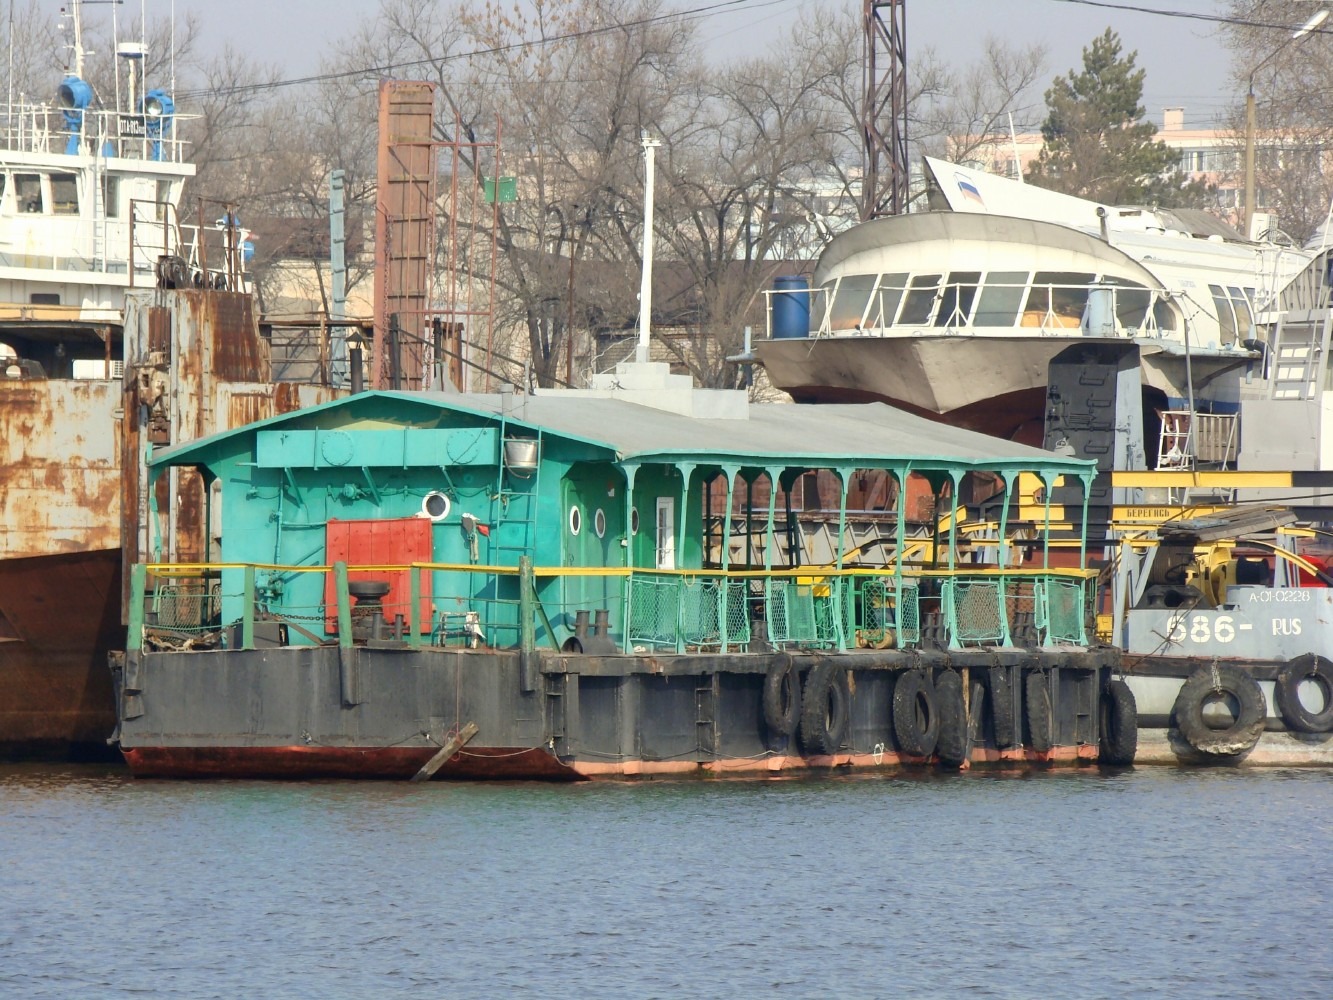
(1238, 738)
(951, 746)
(825, 708)
(1002, 708)
(1286, 694)
(782, 696)
(1120, 725)
(916, 714)
(1037, 713)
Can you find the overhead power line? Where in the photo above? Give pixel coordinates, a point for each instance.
(1190, 15)
(694, 13)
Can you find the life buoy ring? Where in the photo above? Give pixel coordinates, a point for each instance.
(1037, 710)
(1002, 708)
(951, 746)
(916, 716)
(782, 696)
(1286, 693)
(1120, 725)
(1238, 738)
(825, 705)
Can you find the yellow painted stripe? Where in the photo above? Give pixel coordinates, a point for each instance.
(806, 574)
(1232, 480)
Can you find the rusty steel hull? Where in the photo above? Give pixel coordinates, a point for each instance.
(363, 712)
(60, 617)
(73, 502)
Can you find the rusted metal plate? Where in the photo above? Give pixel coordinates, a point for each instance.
(239, 354)
(59, 466)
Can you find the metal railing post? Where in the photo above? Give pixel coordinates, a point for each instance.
(138, 586)
(344, 604)
(414, 608)
(248, 614)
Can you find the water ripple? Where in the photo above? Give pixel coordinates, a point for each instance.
(1142, 883)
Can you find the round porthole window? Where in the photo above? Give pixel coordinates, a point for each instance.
(634, 520)
(599, 522)
(575, 520)
(435, 505)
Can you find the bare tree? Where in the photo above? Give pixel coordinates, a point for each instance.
(957, 113)
(1292, 79)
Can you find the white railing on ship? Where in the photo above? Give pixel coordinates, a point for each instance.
(41, 128)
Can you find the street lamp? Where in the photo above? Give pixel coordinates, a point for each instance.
(1300, 32)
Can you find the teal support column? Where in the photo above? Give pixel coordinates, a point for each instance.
(839, 592)
(1003, 550)
(774, 480)
(899, 540)
(724, 591)
(954, 480)
(682, 508)
(627, 594)
(1083, 529)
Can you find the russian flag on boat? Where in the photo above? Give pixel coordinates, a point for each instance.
(970, 192)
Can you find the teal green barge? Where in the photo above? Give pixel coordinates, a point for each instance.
(595, 586)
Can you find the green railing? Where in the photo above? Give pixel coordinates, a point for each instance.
(235, 606)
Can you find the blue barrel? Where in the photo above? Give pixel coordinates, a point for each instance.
(790, 305)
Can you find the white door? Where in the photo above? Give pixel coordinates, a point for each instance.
(666, 532)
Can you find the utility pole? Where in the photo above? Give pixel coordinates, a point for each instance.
(646, 281)
(1300, 32)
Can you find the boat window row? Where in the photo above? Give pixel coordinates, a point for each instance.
(1043, 299)
(57, 193)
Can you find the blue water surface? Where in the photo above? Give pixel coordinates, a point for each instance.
(1151, 882)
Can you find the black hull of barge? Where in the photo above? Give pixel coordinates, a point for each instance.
(363, 712)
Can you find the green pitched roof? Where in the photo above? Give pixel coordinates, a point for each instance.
(771, 434)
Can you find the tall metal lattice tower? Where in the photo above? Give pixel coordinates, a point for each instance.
(884, 110)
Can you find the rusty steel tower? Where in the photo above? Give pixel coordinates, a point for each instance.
(884, 110)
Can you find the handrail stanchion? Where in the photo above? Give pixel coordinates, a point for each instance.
(138, 587)
(414, 608)
(344, 604)
(248, 614)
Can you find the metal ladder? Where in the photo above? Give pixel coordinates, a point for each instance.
(1298, 349)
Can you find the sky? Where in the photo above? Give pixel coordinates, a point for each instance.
(1186, 63)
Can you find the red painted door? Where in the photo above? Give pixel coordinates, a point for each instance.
(386, 542)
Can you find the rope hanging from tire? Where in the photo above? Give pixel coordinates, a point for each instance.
(1209, 682)
(1286, 693)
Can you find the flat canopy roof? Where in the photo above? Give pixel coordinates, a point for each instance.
(773, 434)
